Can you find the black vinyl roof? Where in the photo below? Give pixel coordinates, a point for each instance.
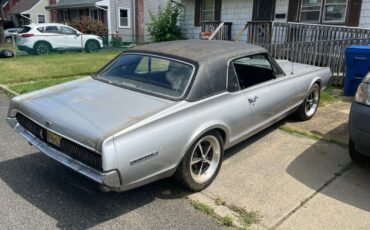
(201, 50)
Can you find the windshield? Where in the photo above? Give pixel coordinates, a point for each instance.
(151, 74)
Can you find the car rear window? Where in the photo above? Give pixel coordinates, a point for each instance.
(26, 29)
(152, 74)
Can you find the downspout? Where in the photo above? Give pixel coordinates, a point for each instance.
(133, 16)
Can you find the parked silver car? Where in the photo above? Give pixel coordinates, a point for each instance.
(165, 109)
(8, 33)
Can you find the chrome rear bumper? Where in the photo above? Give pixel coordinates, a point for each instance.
(110, 179)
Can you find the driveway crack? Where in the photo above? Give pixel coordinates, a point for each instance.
(305, 201)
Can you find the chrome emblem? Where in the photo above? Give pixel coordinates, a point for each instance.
(47, 124)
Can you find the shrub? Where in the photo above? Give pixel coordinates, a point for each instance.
(87, 25)
(163, 26)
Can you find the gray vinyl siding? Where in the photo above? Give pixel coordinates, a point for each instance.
(365, 14)
(152, 6)
(126, 33)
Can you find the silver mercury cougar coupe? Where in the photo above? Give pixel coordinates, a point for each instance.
(165, 109)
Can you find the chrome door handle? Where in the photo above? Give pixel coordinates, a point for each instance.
(253, 100)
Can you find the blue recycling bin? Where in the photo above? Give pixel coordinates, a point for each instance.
(357, 66)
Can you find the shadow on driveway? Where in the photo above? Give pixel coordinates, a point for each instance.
(352, 181)
(71, 199)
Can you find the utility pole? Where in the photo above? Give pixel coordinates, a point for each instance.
(2, 21)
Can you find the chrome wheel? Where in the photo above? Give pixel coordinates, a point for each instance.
(312, 102)
(205, 159)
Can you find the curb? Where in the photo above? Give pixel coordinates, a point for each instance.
(8, 91)
(221, 210)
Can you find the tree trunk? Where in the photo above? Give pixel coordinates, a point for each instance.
(2, 19)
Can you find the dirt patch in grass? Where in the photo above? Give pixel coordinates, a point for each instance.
(330, 95)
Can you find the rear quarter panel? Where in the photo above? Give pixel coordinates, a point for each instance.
(303, 82)
(170, 134)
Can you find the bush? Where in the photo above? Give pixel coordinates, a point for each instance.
(87, 25)
(163, 26)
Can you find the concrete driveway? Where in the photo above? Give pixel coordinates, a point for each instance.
(295, 182)
(292, 181)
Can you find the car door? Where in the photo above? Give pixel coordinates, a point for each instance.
(267, 90)
(52, 35)
(71, 38)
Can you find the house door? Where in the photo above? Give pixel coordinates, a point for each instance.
(263, 10)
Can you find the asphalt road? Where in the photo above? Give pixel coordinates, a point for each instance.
(38, 193)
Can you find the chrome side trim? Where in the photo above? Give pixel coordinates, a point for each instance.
(110, 179)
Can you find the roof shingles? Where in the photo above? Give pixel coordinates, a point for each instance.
(72, 3)
(23, 6)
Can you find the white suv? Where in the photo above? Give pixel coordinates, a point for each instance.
(43, 38)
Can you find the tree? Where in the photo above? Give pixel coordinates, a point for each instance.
(164, 26)
(2, 20)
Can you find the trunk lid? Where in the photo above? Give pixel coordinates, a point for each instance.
(88, 111)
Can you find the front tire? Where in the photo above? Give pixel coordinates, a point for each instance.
(9, 40)
(355, 155)
(202, 162)
(92, 46)
(310, 104)
(41, 48)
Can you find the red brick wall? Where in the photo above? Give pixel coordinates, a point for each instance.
(53, 13)
(10, 5)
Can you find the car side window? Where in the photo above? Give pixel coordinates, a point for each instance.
(253, 70)
(41, 29)
(67, 30)
(51, 29)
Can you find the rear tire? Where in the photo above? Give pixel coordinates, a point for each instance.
(41, 48)
(92, 46)
(310, 104)
(202, 162)
(9, 40)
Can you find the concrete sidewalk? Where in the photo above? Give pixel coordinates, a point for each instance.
(296, 182)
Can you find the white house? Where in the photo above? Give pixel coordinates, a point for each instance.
(354, 13)
(29, 11)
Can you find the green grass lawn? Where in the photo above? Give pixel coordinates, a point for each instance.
(54, 66)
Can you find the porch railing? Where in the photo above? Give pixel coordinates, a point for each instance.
(223, 32)
(319, 45)
(266, 32)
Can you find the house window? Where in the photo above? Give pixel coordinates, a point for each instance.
(327, 11)
(311, 10)
(208, 10)
(124, 18)
(335, 11)
(41, 18)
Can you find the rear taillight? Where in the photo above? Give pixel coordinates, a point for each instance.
(27, 35)
(363, 91)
